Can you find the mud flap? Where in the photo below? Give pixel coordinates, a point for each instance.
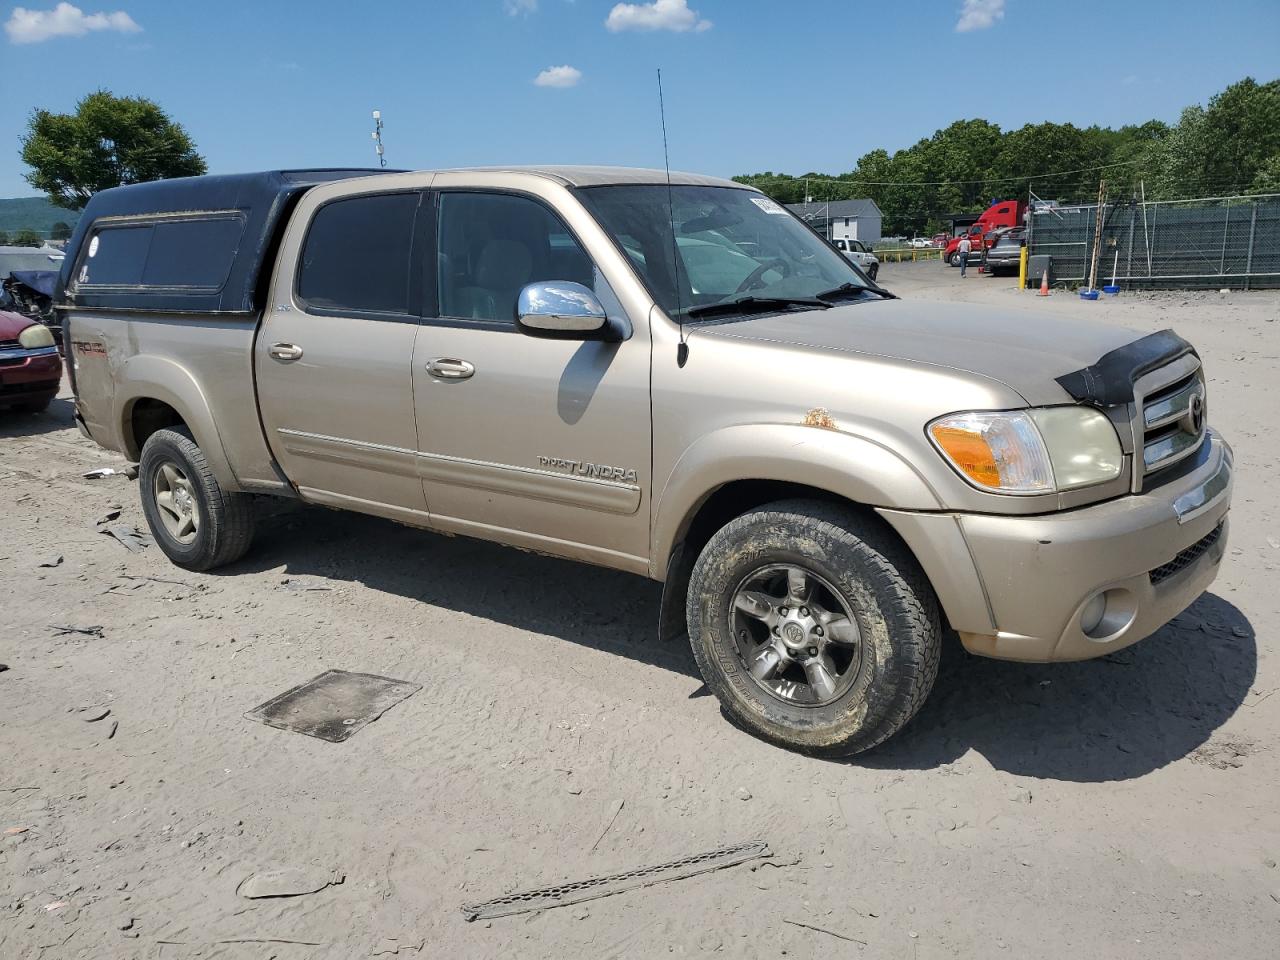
(672, 623)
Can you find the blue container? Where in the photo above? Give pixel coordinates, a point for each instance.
(1088, 294)
(1111, 289)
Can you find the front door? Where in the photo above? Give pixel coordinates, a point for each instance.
(333, 354)
(540, 443)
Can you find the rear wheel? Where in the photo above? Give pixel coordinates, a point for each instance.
(195, 522)
(814, 627)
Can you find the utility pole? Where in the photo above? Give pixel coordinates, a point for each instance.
(377, 137)
(1097, 234)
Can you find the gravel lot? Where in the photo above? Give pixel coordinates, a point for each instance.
(1125, 807)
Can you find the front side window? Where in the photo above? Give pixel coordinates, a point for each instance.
(491, 245)
(357, 253)
(731, 244)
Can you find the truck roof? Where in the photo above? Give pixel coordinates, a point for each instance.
(203, 244)
(598, 176)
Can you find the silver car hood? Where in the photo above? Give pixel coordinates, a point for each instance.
(1018, 348)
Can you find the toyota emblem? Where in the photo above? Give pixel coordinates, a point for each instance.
(1195, 412)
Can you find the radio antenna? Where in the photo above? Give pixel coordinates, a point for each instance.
(682, 350)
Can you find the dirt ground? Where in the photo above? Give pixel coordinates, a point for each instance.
(1126, 807)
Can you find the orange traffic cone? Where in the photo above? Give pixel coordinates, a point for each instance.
(1044, 284)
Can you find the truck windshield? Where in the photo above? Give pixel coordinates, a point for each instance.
(732, 244)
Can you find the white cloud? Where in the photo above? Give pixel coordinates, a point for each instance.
(979, 14)
(64, 20)
(515, 8)
(562, 76)
(672, 15)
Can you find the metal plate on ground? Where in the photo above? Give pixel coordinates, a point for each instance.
(333, 705)
(594, 888)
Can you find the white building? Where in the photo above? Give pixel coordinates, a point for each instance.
(842, 219)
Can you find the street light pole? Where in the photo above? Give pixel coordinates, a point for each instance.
(377, 137)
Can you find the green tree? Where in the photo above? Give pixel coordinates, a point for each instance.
(1222, 148)
(27, 237)
(61, 231)
(1230, 146)
(4, 238)
(1268, 178)
(1050, 159)
(107, 142)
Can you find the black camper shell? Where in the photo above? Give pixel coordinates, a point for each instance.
(187, 245)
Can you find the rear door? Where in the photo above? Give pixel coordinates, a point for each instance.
(333, 354)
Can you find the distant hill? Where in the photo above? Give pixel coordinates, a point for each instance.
(35, 213)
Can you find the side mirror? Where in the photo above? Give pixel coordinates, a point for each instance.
(563, 310)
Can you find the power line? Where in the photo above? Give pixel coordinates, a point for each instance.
(936, 183)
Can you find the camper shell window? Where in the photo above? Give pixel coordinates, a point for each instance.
(190, 253)
(188, 245)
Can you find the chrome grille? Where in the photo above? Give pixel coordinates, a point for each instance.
(1172, 418)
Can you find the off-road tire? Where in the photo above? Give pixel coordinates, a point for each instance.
(226, 525)
(883, 585)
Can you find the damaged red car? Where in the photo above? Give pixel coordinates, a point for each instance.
(30, 368)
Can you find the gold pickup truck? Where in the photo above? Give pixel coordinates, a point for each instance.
(672, 376)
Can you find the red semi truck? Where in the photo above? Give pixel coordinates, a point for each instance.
(1002, 213)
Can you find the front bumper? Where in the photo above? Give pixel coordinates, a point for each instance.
(1018, 588)
(28, 376)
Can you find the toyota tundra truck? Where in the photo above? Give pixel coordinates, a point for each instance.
(667, 375)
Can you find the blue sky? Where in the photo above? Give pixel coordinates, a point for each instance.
(750, 84)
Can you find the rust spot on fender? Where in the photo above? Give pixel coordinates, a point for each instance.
(818, 417)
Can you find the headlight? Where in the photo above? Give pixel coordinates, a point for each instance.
(35, 336)
(1030, 451)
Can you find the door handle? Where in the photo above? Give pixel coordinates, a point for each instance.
(447, 368)
(284, 352)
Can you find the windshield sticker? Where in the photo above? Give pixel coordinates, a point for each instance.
(768, 206)
(93, 247)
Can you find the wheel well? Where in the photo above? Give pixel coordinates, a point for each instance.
(722, 505)
(145, 418)
(736, 498)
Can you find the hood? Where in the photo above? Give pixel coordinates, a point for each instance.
(12, 324)
(1023, 350)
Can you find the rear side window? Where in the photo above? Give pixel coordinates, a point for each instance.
(186, 254)
(356, 255)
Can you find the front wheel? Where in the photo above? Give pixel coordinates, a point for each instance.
(814, 627)
(195, 522)
(954, 260)
(873, 270)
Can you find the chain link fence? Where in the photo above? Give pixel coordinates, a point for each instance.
(1213, 242)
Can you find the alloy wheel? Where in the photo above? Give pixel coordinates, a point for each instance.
(176, 499)
(796, 635)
